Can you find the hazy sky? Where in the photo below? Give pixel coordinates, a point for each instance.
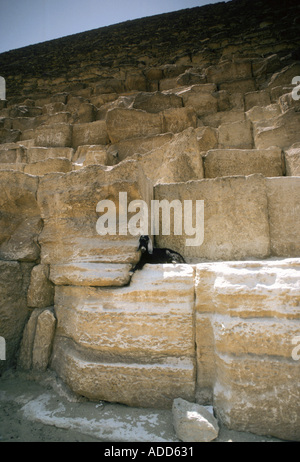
(26, 22)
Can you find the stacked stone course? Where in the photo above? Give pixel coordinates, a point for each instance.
(194, 104)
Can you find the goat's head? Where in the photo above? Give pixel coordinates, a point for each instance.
(145, 244)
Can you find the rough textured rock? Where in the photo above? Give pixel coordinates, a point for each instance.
(236, 135)
(48, 166)
(41, 290)
(193, 423)
(225, 162)
(251, 314)
(89, 133)
(14, 280)
(292, 159)
(70, 215)
(235, 217)
(146, 355)
(43, 339)
(20, 220)
(55, 135)
(281, 131)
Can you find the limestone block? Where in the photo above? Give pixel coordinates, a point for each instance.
(284, 76)
(41, 290)
(25, 123)
(16, 167)
(130, 123)
(135, 81)
(179, 119)
(205, 354)
(11, 153)
(235, 218)
(287, 102)
(37, 154)
(68, 205)
(292, 160)
(284, 215)
(20, 221)
(53, 108)
(44, 334)
(153, 385)
(265, 402)
(55, 135)
(257, 113)
(177, 160)
(127, 148)
(89, 133)
(14, 279)
(215, 120)
(26, 348)
(130, 330)
(193, 423)
(201, 98)
(231, 162)
(156, 102)
(9, 136)
(48, 166)
(237, 135)
(228, 71)
(257, 98)
(90, 274)
(207, 138)
(239, 86)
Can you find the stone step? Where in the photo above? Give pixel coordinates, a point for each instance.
(231, 162)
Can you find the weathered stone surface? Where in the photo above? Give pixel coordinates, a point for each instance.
(177, 160)
(207, 138)
(201, 98)
(26, 348)
(129, 147)
(247, 318)
(284, 76)
(235, 217)
(236, 135)
(41, 290)
(89, 133)
(90, 274)
(228, 71)
(14, 280)
(49, 166)
(257, 113)
(20, 221)
(284, 215)
(38, 154)
(257, 98)
(55, 135)
(91, 155)
(11, 153)
(193, 423)
(148, 354)
(292, 160)
(70, 216)
(179, 119)
(43, 340)
(129, 123)
(282, 131)
(156, 102)
(9, 136)
(231, 162)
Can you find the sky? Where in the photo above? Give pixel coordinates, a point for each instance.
(26, 22)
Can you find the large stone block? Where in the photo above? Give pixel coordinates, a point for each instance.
(54, 135)
(231, 162)
(89, 133)
(179, 119)
(20, 221)
(282, 131)
(141, 334)
(284, 215)
(90, 274)
(235, 218)
(11, 153)
(38, 154)
(14, 280)
(49, 166)
(156, 102)
(292, 160)
(68, 205)
(177, 160)
(41, 290)
(127, 148)
(228, 71)
(201, 98)
(130, 123)
(236, 135)
(247, 318)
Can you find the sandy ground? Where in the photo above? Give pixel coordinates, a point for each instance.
(40, 408)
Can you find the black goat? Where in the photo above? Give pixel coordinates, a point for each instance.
(155, 255)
